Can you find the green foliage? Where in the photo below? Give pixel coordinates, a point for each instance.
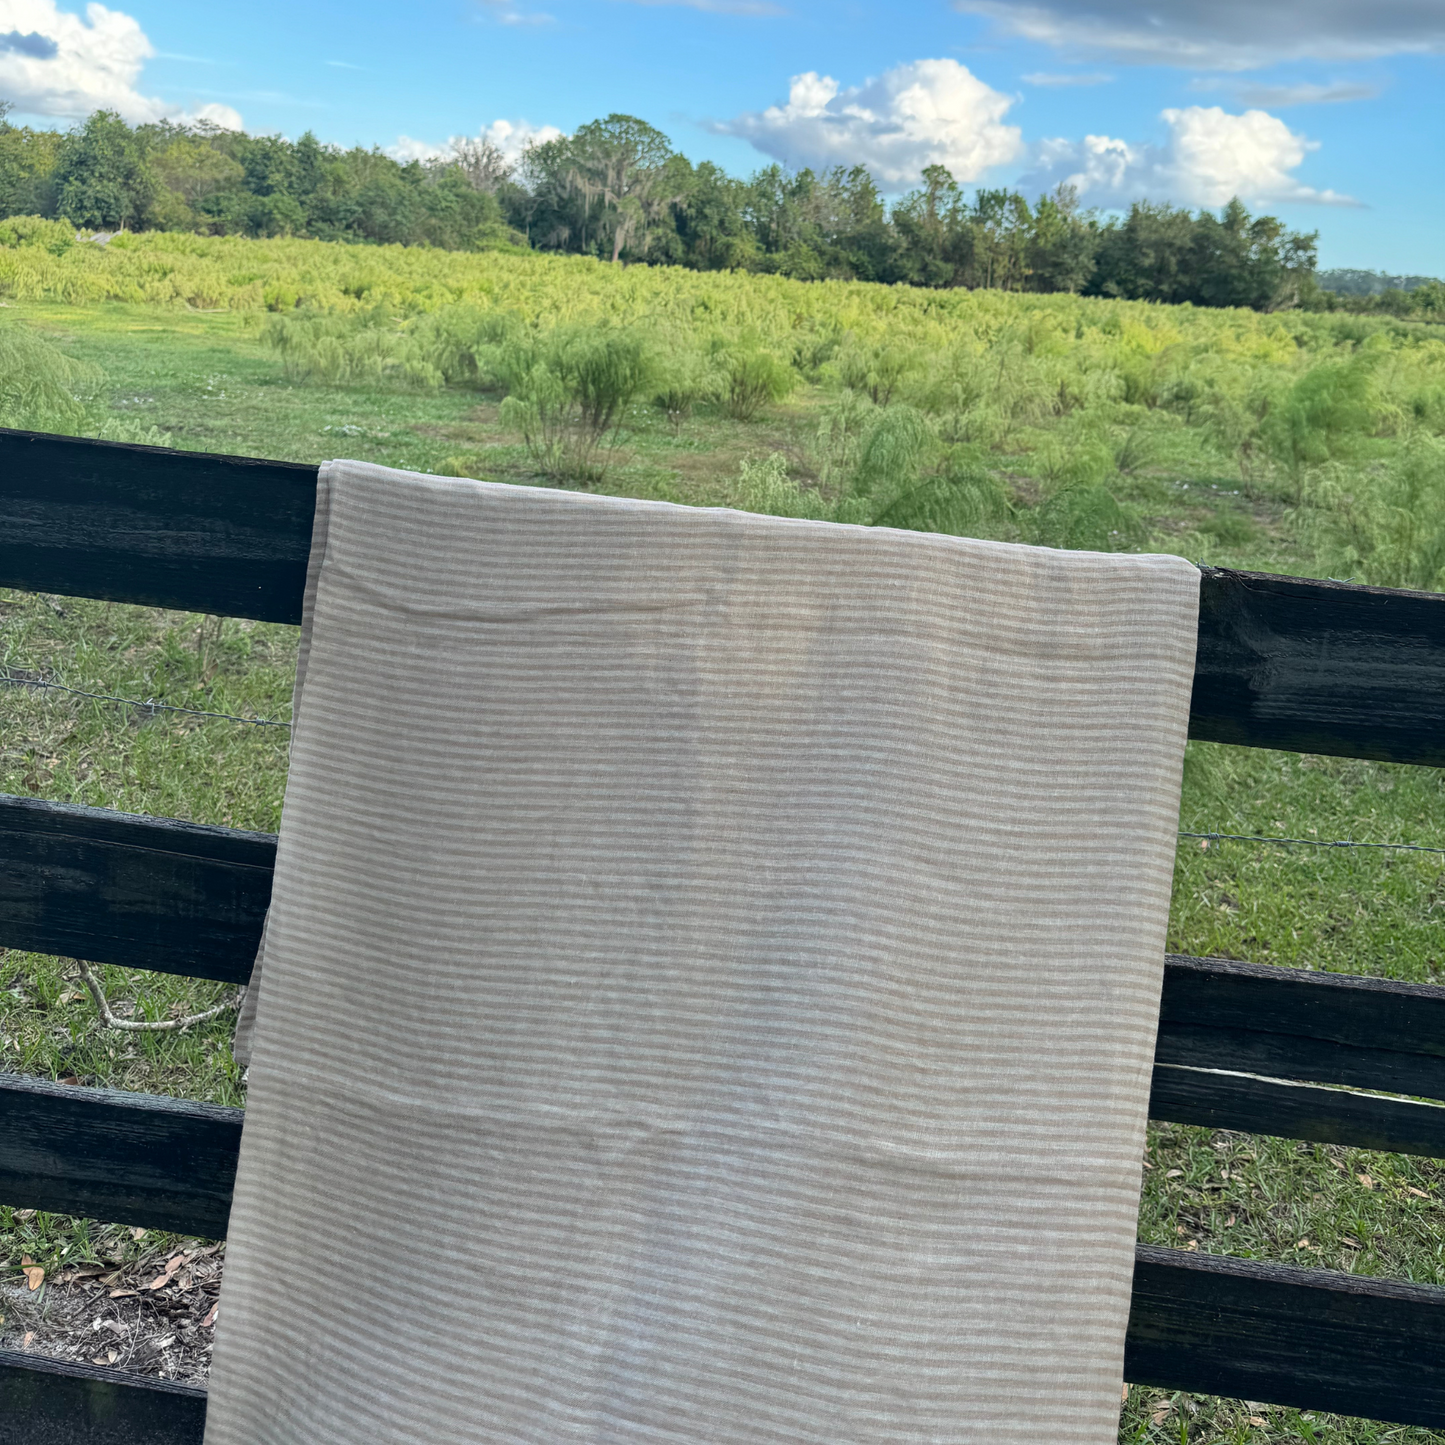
(1083, 516)
(749, 375)
(616, 190)
(27, 168)
(362, 350)
(568, 390)
(1321, 418)
(1383, 524)
(54, 237)
(38, 382)
(965, 500)
(877, 370)
(764, 486)
(604, 190)
(103, 177)
(895, 449)
(687, 377)
(1162, 253)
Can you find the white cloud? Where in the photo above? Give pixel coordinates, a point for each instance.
(928, 112)
(57, 64)
(1305, 94)
(225, 116)
(1046, 78)
(1223, 34)
(1210, 157)
(511, 137)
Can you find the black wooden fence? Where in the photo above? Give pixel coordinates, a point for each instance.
(1283, 662)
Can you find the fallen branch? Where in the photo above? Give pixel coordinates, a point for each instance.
(146, 1025)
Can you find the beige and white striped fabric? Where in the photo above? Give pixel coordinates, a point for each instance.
(711, 981)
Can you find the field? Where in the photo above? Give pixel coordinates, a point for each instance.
(1301, 444)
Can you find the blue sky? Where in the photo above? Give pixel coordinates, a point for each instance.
(1325, 112)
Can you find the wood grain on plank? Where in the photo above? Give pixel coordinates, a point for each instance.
(1320, 667)
(141, 892)
(55, 1402)
(170, 1164)
(1283, 662)
(1289, 1023)
(181, 898)
(137, 1159)
(1224, 1100)
(1312, 1338)
(202, 533)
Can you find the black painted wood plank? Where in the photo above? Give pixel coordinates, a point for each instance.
(1320, 667)
(1366, 1033)
(1314, 1339)
(202, 533)
(137, 1159)
(54, 1402)
(1220, 1100)
(1283, 662)
(170, 1164)
(142, 892)
(181, 898)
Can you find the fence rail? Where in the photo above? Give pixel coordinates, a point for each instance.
(1289, 663)
(1283, 662)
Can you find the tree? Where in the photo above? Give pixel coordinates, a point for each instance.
(1162, 253)
(619, 166)
(103, 176)
(1062, 245)
(711, 226)
(189, 171)
(27, 165)
(481, 162)
(936, 241)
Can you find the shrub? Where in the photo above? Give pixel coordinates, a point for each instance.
(764, 486)
(56, 237)
(568, 390)
(965, 501)
(877, 370)
(749, 375)
(1384, 525)
(371, 349)
(39, 382)
(685, 378)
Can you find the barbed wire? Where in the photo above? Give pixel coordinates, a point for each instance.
(149, 705)
(1310, 842)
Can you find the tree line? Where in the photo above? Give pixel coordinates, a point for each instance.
(617, 190)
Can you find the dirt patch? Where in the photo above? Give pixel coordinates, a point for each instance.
(155, 1316)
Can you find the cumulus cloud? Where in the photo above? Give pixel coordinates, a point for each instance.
(1210, 157)
(57, 64)
(511, 137)
(929, 112)
(1224, 34)
(35, 45)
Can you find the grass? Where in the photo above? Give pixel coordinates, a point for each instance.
(208, 383)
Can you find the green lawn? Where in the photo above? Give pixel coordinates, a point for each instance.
(206, 381)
